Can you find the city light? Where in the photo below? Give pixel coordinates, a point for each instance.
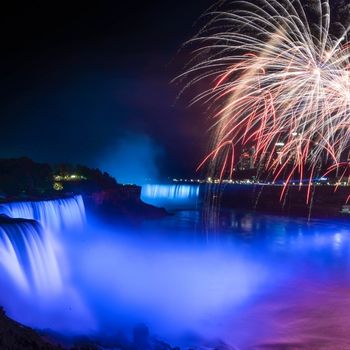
(281, 85)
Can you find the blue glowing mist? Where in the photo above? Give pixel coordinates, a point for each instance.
(113, 279)
(261, 281)
(133, 160)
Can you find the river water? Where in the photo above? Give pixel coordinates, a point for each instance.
(254, 282)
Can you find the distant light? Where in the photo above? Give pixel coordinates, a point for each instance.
(58, 186)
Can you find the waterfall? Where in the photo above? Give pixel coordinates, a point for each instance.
(28, 240)
(27, 255)
(180, 195)
(55, 215)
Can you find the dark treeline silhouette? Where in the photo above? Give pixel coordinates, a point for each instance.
(87, 180)
(22, 177)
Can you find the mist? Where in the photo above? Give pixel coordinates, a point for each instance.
(133, 159)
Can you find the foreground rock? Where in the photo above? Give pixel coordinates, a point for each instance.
(122, 202)
(14, 336)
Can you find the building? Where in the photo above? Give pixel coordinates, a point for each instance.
(246, 159)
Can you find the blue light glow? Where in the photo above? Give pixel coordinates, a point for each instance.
(252, 282)
(179, 195)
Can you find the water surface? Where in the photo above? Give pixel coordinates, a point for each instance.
(255, 282)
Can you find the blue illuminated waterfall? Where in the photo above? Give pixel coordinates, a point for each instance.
(171, 195)
(52, 214)
(27, 255)
(28, 244)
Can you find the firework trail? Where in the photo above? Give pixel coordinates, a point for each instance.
(279, 82)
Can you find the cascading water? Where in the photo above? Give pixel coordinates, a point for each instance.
(27, 255)
(52, 214)
(27, 240)
(35, 280)
(179, 195)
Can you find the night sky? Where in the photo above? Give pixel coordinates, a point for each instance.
(91, 85)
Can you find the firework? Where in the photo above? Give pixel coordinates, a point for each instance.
(277, 79)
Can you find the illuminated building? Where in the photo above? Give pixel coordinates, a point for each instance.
(246, 159)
